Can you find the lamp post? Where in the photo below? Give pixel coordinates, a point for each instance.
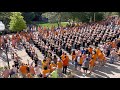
(6, 51)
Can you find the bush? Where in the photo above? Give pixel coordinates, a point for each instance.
(17, 22)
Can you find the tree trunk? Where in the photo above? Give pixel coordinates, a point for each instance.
(58, 24)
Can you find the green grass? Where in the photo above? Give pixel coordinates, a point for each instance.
(54, 24)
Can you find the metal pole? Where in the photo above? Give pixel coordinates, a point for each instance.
(7, 57)
(6, 48)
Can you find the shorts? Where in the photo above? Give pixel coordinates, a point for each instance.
(85, 68)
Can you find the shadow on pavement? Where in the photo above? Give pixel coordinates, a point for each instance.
(108, 69)
(117, 64)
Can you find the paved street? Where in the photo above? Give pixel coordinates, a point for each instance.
(107, 71)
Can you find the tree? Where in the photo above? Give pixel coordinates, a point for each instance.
(28, 16)
(57, 17)
(87, 16)
(17, 22)
(37, 16)
(5, 17)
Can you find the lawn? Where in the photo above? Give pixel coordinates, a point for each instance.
(54, 24)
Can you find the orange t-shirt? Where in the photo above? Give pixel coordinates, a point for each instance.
(67, 58)
(62, 56)
(92, 63)
(65, 62)
(73, 57)
(90, 50)
(98, 51)
(101, 56)
(81, 60)
(44, 72)
(23, 69)
(59, 64)
(94, 56)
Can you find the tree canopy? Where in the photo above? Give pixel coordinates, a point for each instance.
(17, 22)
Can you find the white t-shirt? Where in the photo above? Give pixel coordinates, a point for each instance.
(14, 69)
(78, 59)
(37, 70)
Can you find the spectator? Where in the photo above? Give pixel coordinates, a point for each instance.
(65, 64)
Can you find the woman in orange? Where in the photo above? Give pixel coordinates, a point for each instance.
(101, 58)
(98, 51)
(67, 57)
(23, 70)
(91, 65)
(90, 50)
(59, 66)
(80, 62)
(65, 64)
(45, 72)
(73, 56)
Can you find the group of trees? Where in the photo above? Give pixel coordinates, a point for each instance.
(77, 16)
(17, 21)
(32, 16)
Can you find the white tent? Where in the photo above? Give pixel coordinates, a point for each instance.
(2, 26)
